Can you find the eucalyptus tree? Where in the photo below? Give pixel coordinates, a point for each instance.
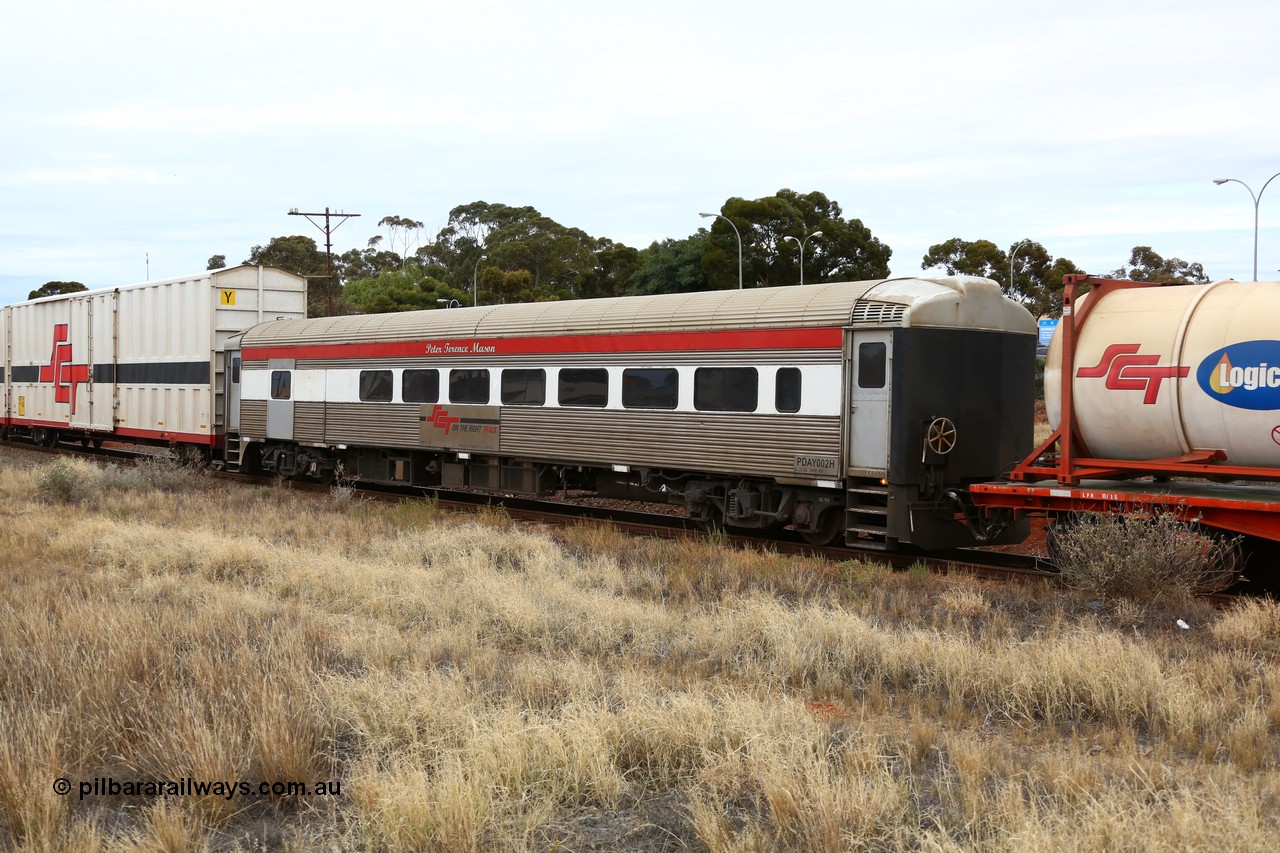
(55, 288)
(400, 290)
(675, 266)
(845, 251)
(1026, 271)
(1146, 265)
(561, 261)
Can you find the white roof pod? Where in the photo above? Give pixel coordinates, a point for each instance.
(955, 302)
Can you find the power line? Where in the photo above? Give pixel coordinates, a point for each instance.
(328, 244)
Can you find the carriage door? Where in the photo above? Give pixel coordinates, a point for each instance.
(94, 351)
(231, 389)
(280, 399)
(869, 375)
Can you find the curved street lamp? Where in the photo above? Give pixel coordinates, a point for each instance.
(739, 236)
(450, 303)
(1013, 253)
(1256, 199)
(801, 243)
(474, 277)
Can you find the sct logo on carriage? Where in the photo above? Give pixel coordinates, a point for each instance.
(1245, 375)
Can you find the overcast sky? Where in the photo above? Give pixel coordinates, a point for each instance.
(177, 131)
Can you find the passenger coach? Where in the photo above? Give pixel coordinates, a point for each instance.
(858, 409)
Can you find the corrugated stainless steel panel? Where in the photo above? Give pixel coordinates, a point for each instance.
(308, 422)
(373, 424)
(763, 445)
(817, 305)
(253, 418)
(945, 302)
(592, 359)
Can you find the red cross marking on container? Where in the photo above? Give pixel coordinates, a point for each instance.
(60, 371)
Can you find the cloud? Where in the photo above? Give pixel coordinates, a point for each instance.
(87, 175)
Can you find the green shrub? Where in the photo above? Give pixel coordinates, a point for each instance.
(63, 482)
(168, 475)
(69, 480)
(1144, 556)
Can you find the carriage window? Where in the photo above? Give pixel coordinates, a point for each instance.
(650, 387)
(725, 389)
(280, 384)
(375, 386)
(420, 386)
(468, 386)
(871, 364)
(524, 387)
(584, 386)
(235, 371)
(786, 391)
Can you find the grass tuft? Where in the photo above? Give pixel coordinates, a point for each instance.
(473, 683)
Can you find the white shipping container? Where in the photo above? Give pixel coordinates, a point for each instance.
(141, 361)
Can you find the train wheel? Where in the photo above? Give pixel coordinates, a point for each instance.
(829, 527)
(713, 525)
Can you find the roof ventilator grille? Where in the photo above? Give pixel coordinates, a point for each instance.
(875, 312)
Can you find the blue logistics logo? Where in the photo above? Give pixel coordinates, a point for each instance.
(1245, 375)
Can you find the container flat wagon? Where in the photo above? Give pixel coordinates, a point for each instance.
(141, 363)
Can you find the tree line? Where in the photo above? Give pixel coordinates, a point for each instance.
(490, 253)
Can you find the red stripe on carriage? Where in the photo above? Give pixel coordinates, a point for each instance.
(649, 342)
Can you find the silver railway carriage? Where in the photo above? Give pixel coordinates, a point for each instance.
(858, 410)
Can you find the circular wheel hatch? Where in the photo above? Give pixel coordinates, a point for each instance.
(941, 436)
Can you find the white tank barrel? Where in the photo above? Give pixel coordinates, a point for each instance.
(1163, 371)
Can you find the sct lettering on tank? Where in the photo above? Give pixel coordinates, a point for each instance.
(1245, 375)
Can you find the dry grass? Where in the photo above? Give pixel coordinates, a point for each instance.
(477, 684)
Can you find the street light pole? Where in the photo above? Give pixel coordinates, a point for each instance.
(1013, 253)
(801, 243)
(1256, 199)
(475, 275)
(739, 236)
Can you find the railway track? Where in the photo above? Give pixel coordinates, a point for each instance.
(996, 565)
(626, 517)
